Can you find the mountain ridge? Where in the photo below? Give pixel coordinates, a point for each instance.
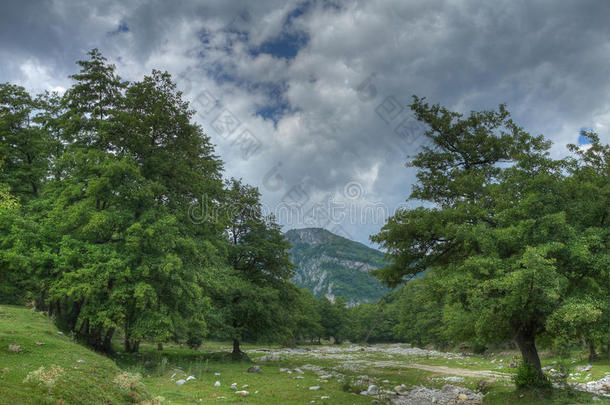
(330, 265)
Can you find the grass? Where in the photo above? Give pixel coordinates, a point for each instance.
(91, 381)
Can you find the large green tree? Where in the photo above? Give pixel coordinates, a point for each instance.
(128, 256)
(494, 230)
(258, 297)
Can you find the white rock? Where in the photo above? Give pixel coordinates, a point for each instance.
(314, 388)
(180, 382)
(189, 378)
(80, 361)
(217, 384)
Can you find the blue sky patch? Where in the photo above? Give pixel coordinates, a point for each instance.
(122, 28)
(583, 140)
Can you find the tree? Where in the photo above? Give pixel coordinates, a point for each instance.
(127, 254)
(259, 296)
(25, 147)
(495, 232)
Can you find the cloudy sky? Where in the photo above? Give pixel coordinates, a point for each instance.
(306, 99)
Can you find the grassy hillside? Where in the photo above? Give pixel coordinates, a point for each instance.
(87, 377)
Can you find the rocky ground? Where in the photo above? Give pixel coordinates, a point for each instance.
(460, 368)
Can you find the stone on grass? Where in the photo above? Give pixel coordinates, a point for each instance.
(401, 390)
(217, 384)
(190, 377)
(314, 388)
(180, 382)
(14, 348)
(373, 389)
(242, 393)
(80, 361)
(234, 386)
(254, 369)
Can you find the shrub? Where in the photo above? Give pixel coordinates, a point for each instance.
(527, 377)
(45, 377)
(131, 385)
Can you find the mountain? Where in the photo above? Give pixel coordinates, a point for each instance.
(332, 266)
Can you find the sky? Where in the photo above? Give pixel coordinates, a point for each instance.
(308, 100)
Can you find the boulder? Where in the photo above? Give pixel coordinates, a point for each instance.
(255, 369)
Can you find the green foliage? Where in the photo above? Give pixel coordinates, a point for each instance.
(526, 376)
(509, 234)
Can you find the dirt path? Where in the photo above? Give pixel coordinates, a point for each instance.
(462, 372)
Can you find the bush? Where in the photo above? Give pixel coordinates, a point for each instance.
(131, 385)
(45, 377)
(527, 377)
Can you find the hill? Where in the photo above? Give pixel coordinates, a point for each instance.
(332, 266)
(29, 340)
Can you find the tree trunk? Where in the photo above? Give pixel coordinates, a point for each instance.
(592, 353)
(160, 346)
(236, 349)
(526, 340)
(131, 346)
(370, 332)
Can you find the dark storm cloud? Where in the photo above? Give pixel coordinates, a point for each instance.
(312, 83)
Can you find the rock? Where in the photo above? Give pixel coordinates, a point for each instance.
(448, 395)
(39, 343)
(242, 393)
(324, 397)
(373, 389)
(234, 386)
(269, 357)
(217, 384)
(180, 382)
(314, 388)
(80, 361)
(190, 377)
(219, 373)
(325, 377)
(254, 369)
(298, 370)
(14, 348)
(173, 375)
(401, 390)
